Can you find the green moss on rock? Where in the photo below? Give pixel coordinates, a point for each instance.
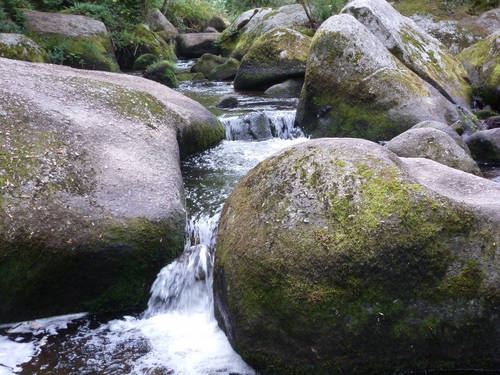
(198, 137)
(86, 52)
(482, 60)
(163, 72)
(331, 259)
(143, 61)
(139, 41)
(20, 47)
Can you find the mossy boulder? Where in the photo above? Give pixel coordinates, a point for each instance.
(434, 144)
(91, 193)
(206, 63)
(355, 87)
(196, 44)
(276, 56)
(73, 40)
(143, 61)
(237, 39)
(219, 23)
(163, 72)
(336, 256)
(485, 145)
(139, 41)
(419, 51)
(291, 88)
(482, 60)
(20, 47)
(226, 71)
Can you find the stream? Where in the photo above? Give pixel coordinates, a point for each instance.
(178, 333)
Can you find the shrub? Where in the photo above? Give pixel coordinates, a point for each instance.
(191, 15)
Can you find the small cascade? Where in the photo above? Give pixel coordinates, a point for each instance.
(258, 126)
(186, 284)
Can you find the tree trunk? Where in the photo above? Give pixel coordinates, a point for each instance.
(309, 15)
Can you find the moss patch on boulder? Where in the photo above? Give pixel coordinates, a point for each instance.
(355, 87)
(331, 258)
(482, 60)
(20, 47)
(163, 72)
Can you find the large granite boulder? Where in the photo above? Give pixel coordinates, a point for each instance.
(196, 44)
(336, 256)
(91, 194)
(276, 56)
(444, 128)
(77, 41)
(434, 144)
(159, 23)
(482, 60)
(355, 87)
(419, 51)
(237, 39)
(20, 47)
(485, 145)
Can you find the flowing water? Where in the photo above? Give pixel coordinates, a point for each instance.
(178, 333)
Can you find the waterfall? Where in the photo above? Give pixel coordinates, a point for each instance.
(186, 283)
(262, 125)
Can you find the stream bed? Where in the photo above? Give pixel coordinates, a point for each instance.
(178, 333)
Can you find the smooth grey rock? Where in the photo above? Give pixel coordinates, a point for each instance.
(63, 24)
(196, 44)
(92, 190)
(368, 244)
(210, 29)
(289, 89)
(484, 145)
(493, 122)
(158, 22)
(434, 144)
(419, 51)
(355, 87)
(444, 128)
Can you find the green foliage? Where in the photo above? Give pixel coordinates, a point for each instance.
(191, 15)
(11, 18)
(238, 6)
(323, 9)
